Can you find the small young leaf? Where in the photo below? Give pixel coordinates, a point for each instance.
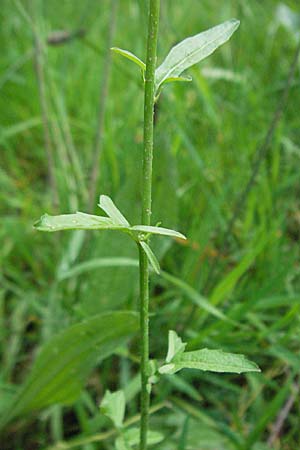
(157, 230)
(193, 49)
(150, 255)
(130, 56)
(77, 221)
(175, 347)
(113, 407)
(211, 360)
(112, 211)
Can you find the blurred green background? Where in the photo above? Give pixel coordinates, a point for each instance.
(242, 252)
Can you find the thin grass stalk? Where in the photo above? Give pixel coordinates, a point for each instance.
(98, 143)
(40, 76)
(146, 212)
(260, 156)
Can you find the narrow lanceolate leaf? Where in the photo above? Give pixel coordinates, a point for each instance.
(131, 56)
(77, 221)
(157, 230)
(150, 255)
(64, 363)
(193, 50)
(210, 360)
(175, 347)
(112, 211)
(113, 406)
(194, 296)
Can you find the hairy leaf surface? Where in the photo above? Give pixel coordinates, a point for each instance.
(112, 211)
(210, 360)
(77, 221)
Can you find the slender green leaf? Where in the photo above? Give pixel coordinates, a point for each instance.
(15, 129)
(190, 292)
(175, 347)
(77, 221)
(182, 385)
(150, 255)
(272, 408)
(194, 49)
(113, 406)
(228, 283)
(211, 360)
(64, 363)
(194, 296)
(112, 211)
(157, 230)
(131, 56)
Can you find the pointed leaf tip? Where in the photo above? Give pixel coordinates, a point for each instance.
(194, 49)
(158, 230)
(38, 224)
(175, 346)
(131, 56)
(151, 257)
(112, 211)
(113, 406)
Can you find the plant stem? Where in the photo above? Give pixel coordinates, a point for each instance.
(146, 212)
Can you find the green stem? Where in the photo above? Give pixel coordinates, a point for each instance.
(146, 212)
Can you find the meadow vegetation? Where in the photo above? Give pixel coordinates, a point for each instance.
(225, 174)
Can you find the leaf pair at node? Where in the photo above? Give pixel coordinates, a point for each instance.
(204, 359)
(114, 221)
(113, 406)
(188, 52)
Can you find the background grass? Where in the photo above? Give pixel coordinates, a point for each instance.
(207, 135)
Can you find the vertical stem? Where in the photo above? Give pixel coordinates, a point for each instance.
(146, 212)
